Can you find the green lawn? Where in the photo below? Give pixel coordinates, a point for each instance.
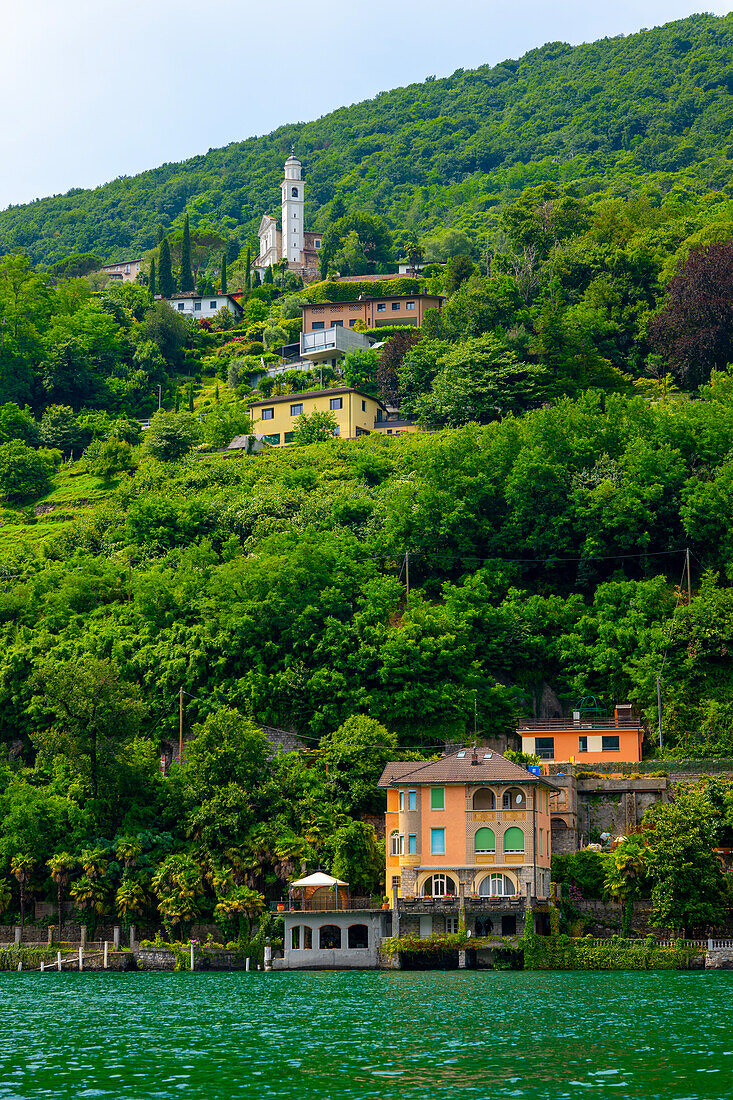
(70, 496)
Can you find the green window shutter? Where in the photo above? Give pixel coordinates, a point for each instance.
(437, 798)
(485, 841)
(514, 840)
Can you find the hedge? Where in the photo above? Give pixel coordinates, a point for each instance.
(331, 291)
(566, 953)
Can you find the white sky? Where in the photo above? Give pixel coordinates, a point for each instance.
(94, 89)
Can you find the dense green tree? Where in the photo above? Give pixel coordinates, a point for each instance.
(166, 281)
(687, 882)
(171, 435)
(87, 715)
(185, 278)
(24, 472)
(152, 283)
(315, 427)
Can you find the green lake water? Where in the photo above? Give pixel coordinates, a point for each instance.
(428, 1035)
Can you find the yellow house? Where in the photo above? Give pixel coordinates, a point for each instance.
(356, 413)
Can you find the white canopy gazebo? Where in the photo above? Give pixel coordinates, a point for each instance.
(320, 891)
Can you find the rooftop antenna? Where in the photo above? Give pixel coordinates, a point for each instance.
(474, 758)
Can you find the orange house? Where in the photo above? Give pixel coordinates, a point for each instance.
(590, 740)
(469, 825)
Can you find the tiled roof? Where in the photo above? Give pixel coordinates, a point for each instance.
(458, 768)
(395, 770)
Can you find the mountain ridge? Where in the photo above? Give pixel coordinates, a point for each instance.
(444, 151)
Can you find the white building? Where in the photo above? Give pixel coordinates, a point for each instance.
(290, 239)
(198, 306)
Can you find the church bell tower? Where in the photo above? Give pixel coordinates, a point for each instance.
(293, 210)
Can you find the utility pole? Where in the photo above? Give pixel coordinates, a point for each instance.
(659, 712)
(180, 724)
(407, 572)
(689, 582)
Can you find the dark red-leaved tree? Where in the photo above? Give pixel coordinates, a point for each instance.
(694, 330)
(393, 352)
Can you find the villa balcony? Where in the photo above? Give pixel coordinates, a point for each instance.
(328, 343)
(449, 905)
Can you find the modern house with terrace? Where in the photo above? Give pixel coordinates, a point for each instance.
(586, 738)
(468, 833)
(200, 306)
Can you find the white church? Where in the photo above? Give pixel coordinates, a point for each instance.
(291, 240)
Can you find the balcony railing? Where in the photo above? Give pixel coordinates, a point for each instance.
(610, 723)
(325, 905)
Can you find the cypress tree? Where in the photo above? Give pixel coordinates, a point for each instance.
(248, 277)
(166, 282)
(216, 393)
(190, 396)
(268, 274)
(257, 280)
(159, 234)
(186, 279)
(151, 282)
(224, 273)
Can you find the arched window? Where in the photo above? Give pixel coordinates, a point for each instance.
(496, 886)
(294, 192)
(395, 848)
(513, 840)
(358, 936)
(438, 885)
(559, 823)
(329, 937)
(514, 799)
(484, 799)
(485, 841)
(307, 937)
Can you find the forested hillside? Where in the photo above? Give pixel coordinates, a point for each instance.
(445, 152)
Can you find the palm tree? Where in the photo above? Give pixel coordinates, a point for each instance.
(242, 904)
(178, 883)
(22, 867)
(130, 900)
(625, 869)
(127, 850)
(61, 865)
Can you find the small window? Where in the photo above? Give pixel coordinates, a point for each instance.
(329, 937)
(212, 305)
(402, 801)
(545, 748)
(412, 800)
(409, 305)
(610, 743)
(197, 306)
(352, 322)
(336, 432)
(583, 744)
(381, 307)
(363, 406)
(318, 244)
(337, 402)
(394, 844)
(296, 410)
(451, 925)
(396, 306)
(338, 324)
(317, 326)
(268, 414)
(273, 440)
(294, 192)
(412, 844)
(379, 415)
(437, 798)
(181, 305)
(437, 842)
(542, 841)
(289, 437)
